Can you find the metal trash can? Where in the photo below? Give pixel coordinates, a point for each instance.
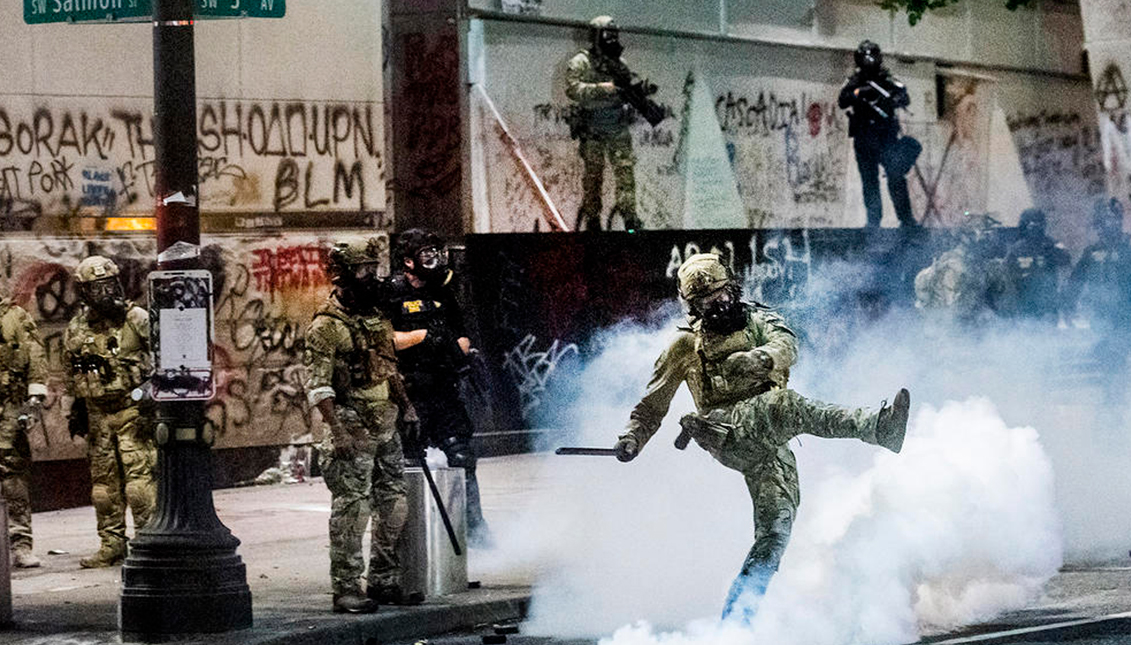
(428, 562)
(5, 568)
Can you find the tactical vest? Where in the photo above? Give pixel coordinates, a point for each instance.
(108, 362)
(369, 363)
(14, 358)
(722, 386)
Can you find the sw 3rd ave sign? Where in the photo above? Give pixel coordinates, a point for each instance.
(44, 11)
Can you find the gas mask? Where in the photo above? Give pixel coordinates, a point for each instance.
(105, 297)
(361, 289)
(869, 59)
(431, 264)
(721, 312)
(608, 42)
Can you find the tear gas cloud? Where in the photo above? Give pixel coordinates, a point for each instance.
(997, 481)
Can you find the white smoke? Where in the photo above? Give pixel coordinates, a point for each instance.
(958, 527)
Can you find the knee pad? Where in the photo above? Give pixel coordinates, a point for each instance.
(102, 499)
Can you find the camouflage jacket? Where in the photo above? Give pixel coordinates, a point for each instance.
(604, 110)
(23, 363)
(348, 357)
(697, 357)
(104, 359)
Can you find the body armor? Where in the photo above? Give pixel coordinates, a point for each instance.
(721, 385)
(106, 361)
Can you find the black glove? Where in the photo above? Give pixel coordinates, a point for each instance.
(627, 448)
(79, 422)
(410, 432)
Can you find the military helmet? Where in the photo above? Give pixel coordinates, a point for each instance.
(410, 242)
(343, 256)
(701, 275)
(603, 32)
(868, 55)
(96, 267)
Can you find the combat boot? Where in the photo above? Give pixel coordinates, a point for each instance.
(353, 603)
(393, 595)
(23, 558)
(107, 556)
(891, 422)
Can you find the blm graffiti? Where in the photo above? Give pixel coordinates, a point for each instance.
(71, 157)
(266, 289)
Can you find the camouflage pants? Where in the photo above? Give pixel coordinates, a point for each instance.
(617, 148)
(15, 470)
(122, 459)
(371, 485)
(757, 447)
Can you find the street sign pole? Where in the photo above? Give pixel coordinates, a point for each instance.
(182, 575)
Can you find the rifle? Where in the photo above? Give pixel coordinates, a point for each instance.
(636, 92)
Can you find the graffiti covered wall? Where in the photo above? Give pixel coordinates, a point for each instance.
(1003, 140)
(266, 289)
(70, 156)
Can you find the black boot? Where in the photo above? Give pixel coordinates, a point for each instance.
(891, 422)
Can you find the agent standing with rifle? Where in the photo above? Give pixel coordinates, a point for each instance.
(608, 96)
(23, 386)
(352, 379)
(435, 354)
(874, 95)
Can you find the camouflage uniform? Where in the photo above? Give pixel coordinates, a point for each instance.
(106, 361)
(967, 283)
(351, 359)
(601, 125)
(761, 416)
(23, 374)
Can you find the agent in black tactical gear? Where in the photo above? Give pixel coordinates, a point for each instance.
(432, 350)
(1099, 289)
(1033, 264)
(874, 95)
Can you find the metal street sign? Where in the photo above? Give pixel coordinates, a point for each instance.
(240, 8)
(44, 11)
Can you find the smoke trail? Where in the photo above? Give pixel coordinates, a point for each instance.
(964, 524)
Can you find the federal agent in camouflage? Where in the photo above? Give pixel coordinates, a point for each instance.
(600, 122)
(735, 360)
(106, 355)
(352, 379)
(23, 385)
(968, 284)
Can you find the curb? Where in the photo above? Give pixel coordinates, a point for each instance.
(385, 625)
(1066, 630)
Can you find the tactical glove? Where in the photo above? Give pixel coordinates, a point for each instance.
(410, 430)
(345, 446)
(78, 423)
(709, 430)
(627, 448)
(755, 363)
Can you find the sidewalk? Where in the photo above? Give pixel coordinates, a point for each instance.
(285, 548)
(283, 530)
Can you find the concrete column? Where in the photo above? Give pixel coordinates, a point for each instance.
(1107, 37)
(425, 92)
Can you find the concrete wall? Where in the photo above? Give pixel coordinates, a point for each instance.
(1107, 27)
(1015, 127)
(266, 288)
(290, 116)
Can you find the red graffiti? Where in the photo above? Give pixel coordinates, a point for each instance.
(289, 268)
(813, 114)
